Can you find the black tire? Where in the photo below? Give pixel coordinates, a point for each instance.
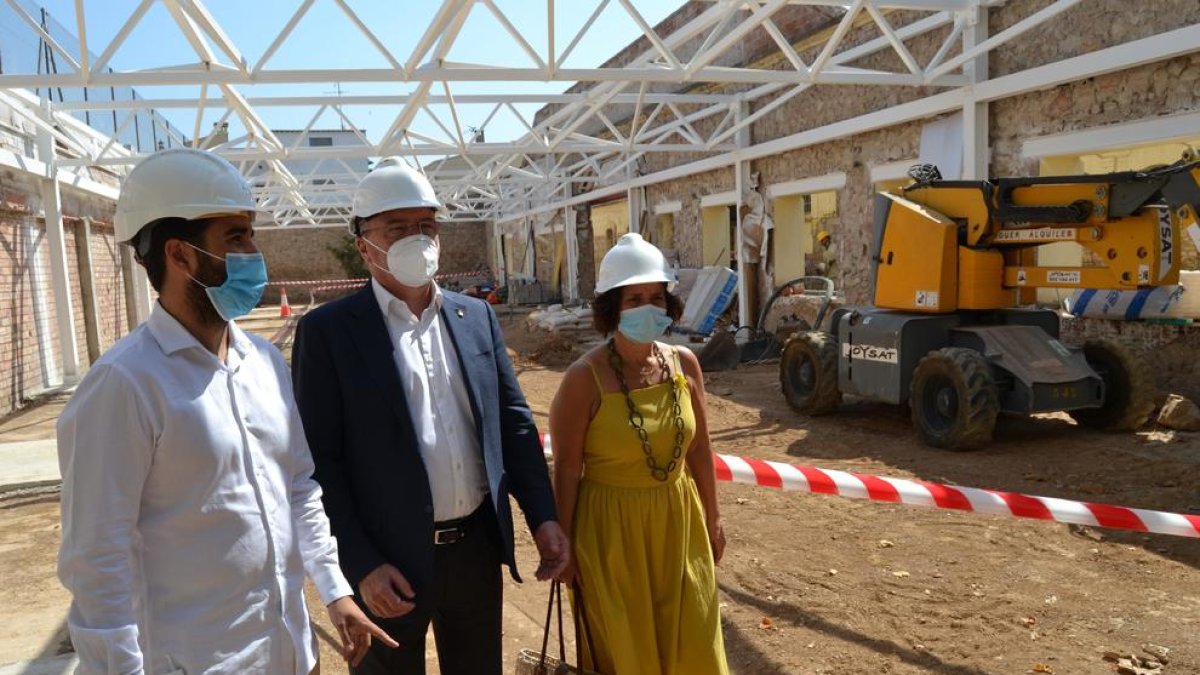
(808, 373)
(1129, 388)
(954, 399)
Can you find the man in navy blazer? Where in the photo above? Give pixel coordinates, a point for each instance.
(420, 433)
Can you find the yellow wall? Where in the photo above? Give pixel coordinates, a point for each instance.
(664, 235)
(793, 237)
(609, 222)
(717, 248)
(822, 205)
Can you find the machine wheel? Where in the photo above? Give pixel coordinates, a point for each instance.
(1128, 388)
(954, 399)
(808, 373)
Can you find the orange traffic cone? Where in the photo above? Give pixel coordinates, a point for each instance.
(285, 310)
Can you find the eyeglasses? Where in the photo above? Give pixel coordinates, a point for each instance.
(395, 231)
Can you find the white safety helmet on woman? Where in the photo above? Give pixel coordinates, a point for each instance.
(392, 184)
(633, 260)
(178, 183)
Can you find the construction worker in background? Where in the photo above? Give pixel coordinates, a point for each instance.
(420, 433)
(827, 255)
(190, 516)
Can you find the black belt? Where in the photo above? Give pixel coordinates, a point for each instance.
(453, 531)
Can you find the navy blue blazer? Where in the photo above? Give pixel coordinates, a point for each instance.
(356, 418)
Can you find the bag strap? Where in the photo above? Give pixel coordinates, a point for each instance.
(546, 633)
(562, 641)
(555, 603)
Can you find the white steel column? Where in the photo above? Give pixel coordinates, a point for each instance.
(501, 262)
(976, 144)
(530, 225)
(142, 301)
(633, 203)
(572, 271)
(741, 170)
(52, 208)
(87, 286)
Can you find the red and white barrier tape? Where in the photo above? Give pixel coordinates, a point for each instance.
(317, 282)
(793, 478)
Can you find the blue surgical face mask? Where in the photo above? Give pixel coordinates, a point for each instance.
(644, 324)
(245, 280)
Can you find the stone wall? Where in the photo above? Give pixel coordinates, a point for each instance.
(1085, 28)
(1162, 88)
(1172, 352)
(688, 191)
(304, 254)
(465, 248)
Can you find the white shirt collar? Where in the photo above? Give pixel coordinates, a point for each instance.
(385, 299)
(173, 337)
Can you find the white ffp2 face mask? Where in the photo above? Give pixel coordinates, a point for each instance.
(413, 260)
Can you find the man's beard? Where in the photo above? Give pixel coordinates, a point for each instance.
(211, 273)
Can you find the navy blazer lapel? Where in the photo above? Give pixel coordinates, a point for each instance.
(459, 320)
(369, 333)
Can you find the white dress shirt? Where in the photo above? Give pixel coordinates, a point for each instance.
(438, 402)
(190, 516)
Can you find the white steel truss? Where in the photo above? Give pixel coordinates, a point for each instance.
(681, 91)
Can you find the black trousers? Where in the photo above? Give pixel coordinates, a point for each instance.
(465, 613)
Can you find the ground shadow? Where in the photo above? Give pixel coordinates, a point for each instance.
(800, 617)
(746, 656)
(58, 645)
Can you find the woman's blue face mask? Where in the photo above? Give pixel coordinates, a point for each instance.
(245, 280)
(644, 324)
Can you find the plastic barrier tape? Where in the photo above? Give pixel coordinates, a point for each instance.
(793, 478)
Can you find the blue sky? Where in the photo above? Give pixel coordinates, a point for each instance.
(325, 38)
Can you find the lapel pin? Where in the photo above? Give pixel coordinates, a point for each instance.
(460, 312)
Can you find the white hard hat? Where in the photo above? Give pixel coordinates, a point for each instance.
(393, 184)
(633, 260)
(179, 183)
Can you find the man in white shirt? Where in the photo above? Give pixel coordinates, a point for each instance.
(420, 434)
(190, 516)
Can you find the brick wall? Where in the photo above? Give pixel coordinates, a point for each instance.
(109, 284)
(30, 349)
(27, 327)
(77, 307)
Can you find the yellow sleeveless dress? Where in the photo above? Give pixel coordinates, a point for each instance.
(645, 565)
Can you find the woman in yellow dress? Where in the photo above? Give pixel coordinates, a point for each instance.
(634, 481)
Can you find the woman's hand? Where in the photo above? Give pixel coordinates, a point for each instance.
(716, 537)
(569, 573)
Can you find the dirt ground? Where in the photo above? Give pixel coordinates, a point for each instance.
(816, 584)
